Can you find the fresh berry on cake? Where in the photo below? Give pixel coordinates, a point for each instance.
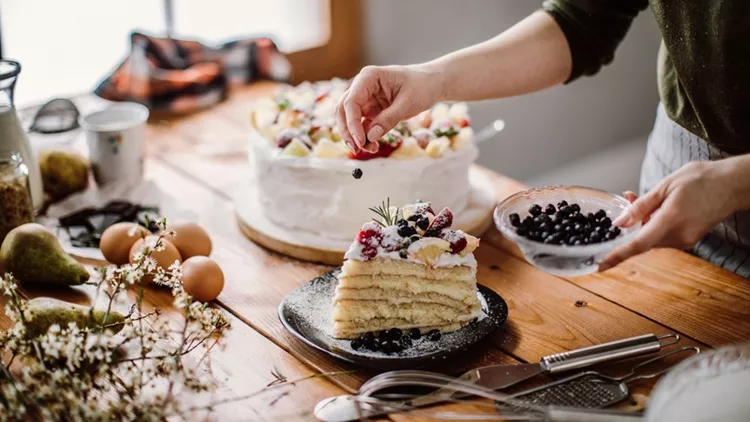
(303, 170)
(408, 269)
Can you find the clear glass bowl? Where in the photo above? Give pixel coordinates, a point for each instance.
(563, 260)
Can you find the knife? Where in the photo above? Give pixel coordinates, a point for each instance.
(496, 377)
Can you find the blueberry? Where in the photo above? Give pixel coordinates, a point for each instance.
(538, 221)
(566, 210)
(544, 235)
(414, 217)
(522, 231)
(578, 242)
(550, 209)
(547, 226)
(515, 219)
(599, 229)
(356, 344)
(403, 254)
(595, 238)
(557, 219)
(405, 342)
(545, 218)
(395, 333)
(562, 204)
(432, 233)
(615, 230)
(433, 335)
(574, 239)
(401, 222)
(528, 221)
(559, 227)
(600, 214)
(387, 347)
(568, 222)
(578, 227)
(605, 222)
(357, 173)
(415, 334)
(406, 231)
(576, 208)
(423, 223)
(414, 238)
(535, 210)
(382, 334)
(580, 218)
(609, 236)
(591, 217)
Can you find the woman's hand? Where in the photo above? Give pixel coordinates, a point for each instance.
(379, 98)
(680, 210)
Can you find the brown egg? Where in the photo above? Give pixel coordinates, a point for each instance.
(118, 239)
(202, 278)
(191, 239)
(164, 258)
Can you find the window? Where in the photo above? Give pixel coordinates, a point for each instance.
(67, 47)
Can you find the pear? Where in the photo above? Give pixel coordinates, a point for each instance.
(63, 173)
(34, 255)
(46, 311)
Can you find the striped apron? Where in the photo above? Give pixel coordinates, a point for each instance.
(671, 146)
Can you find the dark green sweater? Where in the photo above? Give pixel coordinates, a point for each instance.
(703, 64)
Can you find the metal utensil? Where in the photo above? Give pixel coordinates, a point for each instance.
(495, 377)
(590, 389)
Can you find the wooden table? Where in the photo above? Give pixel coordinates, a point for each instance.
(201, 161)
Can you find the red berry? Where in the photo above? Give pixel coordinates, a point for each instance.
(285, 137)
(369, 253)
(464, 123)
(385, 150)
(457, 240)
(370, 235)
(442, 220)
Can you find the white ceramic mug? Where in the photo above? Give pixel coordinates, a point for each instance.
(115, 139)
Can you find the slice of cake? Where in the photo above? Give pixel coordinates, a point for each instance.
(407, 269)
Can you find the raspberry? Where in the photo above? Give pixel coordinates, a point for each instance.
(370, 235)
(456, 239)
(369, 253)
(389, 143)
(442, 220)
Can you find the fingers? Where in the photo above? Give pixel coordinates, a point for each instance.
(651, 235)
(387, 119)
(630, 196)
(640, 209)
(343, 127)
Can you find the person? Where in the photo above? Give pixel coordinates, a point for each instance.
(695, 177)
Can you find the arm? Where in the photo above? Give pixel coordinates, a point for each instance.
(530, 56)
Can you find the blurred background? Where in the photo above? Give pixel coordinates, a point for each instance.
(592, 132)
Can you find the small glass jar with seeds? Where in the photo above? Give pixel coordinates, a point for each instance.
(15, 194)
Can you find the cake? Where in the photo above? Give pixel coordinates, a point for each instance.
(407, 270)
(303, 171)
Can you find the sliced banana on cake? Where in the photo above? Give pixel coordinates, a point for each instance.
(296, 148)
(326, 148)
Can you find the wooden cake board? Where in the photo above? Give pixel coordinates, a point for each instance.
(475, 220)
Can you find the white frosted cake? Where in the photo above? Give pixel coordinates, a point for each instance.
(407, 270)
(304, 172)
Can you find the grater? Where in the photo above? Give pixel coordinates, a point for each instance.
(589, 390)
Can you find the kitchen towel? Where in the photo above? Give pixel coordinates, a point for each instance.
(181, 76)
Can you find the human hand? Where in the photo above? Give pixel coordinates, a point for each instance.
(379, 98)
(679, 211)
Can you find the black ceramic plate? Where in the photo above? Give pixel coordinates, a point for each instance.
(306, 313)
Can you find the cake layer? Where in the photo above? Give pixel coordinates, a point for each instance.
(397, 297)
(352, 329)
(406, 268)
(456, 290)
(320, 196)
(424, 313)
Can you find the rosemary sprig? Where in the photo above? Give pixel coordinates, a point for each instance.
(387, 218)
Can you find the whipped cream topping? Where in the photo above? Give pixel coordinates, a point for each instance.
(446, 260)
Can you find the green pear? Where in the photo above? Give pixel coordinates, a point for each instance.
(34, 255)
(46, 311)
(63, 173)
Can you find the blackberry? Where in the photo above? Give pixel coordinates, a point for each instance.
(357, 173)
(433, 335)
(406, 231)
(415, 334)
(356, 344)
(406, 342)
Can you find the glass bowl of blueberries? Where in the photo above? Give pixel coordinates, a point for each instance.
(564, 230)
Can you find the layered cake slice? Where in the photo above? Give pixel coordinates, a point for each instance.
(408, 270)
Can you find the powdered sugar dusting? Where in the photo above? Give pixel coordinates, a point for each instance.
(391, 239)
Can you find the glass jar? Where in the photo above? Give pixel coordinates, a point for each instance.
(15, 195)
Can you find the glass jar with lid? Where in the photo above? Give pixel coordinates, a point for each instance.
(15, 194)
